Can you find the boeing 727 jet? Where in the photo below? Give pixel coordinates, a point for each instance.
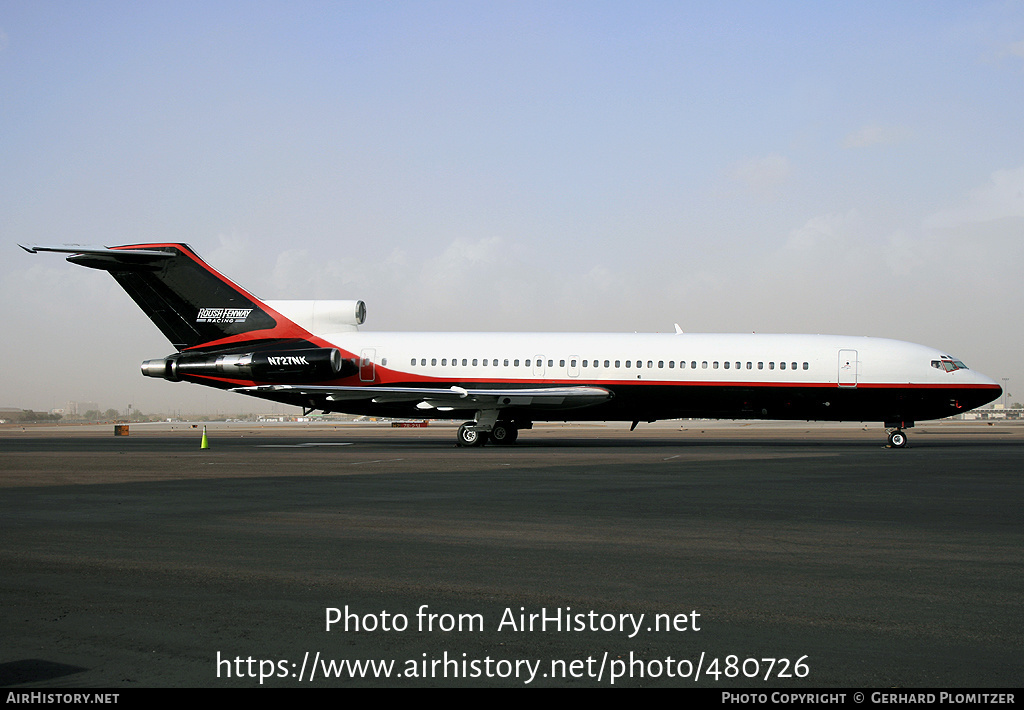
(311, 354)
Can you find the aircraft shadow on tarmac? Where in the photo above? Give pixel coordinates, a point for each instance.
(34, 670)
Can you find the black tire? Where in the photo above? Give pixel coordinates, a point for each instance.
(504, 434)
(468, 436)
(897, 439)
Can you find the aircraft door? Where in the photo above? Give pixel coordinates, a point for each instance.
(366, 365)
(847, 368)
(538, 366)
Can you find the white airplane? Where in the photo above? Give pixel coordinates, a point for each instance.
(311, 354)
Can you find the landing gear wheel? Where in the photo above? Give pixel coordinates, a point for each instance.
(469, 436)
(897, 439)
(504, 434)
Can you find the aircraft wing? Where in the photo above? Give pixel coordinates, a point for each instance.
(450, 398)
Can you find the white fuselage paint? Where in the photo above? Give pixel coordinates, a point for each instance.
(878, 361)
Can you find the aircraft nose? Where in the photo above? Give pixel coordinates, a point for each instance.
(992, 390)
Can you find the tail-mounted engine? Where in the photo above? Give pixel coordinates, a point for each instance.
(291, 366)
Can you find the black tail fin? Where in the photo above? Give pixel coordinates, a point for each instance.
(191, 303)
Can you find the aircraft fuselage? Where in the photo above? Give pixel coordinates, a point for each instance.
(664, 376)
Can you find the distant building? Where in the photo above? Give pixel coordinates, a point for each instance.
(77, 409)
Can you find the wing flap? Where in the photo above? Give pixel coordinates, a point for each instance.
(453, 397)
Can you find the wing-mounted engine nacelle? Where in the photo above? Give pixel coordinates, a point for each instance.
(292, 366)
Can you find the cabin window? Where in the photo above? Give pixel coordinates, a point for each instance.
(572, 363)
(671, 364)
(617, 363)
(515, 362)
(474, 362)
(760, 366)
(413, 363)
(750, 366)
(551, 363)
(384, 361)
(807, 366)
(714, 366)
(771, 366)
(561, 363)
(628, 362)
(782, 366)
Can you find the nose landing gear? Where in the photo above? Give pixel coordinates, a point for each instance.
(897, 439)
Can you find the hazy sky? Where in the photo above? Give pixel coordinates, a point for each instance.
(823, 167)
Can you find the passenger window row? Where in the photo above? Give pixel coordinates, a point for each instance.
(629, 364)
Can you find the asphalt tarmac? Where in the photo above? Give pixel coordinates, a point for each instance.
(688, 554)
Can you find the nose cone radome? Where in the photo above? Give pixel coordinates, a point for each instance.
(987, 390)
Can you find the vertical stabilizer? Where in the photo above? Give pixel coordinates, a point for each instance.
(190, 302)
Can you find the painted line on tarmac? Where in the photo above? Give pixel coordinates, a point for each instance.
(306, 445)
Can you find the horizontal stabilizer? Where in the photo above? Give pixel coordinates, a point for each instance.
(99, 257)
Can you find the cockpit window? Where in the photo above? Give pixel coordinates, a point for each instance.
(949, 365)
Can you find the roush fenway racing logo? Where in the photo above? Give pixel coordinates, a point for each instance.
(223, 315)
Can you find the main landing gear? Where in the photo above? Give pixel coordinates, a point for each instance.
(504, 433)
(473, 434)
(469, 435)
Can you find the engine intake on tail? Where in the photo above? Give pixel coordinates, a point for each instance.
(289, 366)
